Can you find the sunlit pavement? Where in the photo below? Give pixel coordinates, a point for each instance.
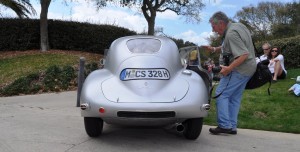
(52, 123)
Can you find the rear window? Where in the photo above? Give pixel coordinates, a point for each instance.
(144, 45)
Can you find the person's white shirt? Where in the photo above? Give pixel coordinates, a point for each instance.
(263, 57)
(272, 64)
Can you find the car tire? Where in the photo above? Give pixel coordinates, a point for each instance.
(93, 126)
(193, 128)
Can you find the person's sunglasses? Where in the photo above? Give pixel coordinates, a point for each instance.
(274, 51)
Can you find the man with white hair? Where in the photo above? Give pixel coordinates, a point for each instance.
(238, 58)
(266, 47)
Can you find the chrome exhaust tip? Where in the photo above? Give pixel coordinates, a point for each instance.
(84, 106)
(205, 107)
(179, 127)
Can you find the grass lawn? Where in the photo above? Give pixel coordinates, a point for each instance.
(278, 112)
(14, 65)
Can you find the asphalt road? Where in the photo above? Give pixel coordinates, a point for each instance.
(52, 123)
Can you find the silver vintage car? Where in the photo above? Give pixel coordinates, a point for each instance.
(147, 81)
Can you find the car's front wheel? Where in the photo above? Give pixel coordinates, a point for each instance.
(193, 128)
(93, 126)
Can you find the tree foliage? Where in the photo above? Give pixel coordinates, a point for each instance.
(22, 8)
(271, 19)
(190, 9)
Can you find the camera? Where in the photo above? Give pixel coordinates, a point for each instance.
(226, 58)
(224, 61)
(216, 69)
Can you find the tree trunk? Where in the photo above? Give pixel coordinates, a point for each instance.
(151, 25)
(147, 7)
(44, 25)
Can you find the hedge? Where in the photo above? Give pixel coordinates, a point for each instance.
(24, 34)
(290, 49)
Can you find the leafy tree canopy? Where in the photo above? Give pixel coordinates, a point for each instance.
(22, 8)
(190, 9)
(270, 19)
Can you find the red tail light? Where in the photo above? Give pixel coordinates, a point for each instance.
(101, 110)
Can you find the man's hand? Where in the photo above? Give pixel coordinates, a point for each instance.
(239, 60)
(225, 70)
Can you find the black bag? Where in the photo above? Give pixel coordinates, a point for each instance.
(261, 76)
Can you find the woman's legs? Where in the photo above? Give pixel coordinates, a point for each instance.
(277, 70)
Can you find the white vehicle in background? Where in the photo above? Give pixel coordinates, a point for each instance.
(146, 81)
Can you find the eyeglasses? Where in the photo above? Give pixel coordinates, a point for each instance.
(274, 51)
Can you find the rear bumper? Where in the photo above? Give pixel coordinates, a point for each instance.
(145, 114)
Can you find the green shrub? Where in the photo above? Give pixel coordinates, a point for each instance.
(84, 36)
(23, 85)
(24, 34)
(51, 79)
(290, 50)
(57, 79)
(90, 67)
(181, 43)
(54, 78)
(19, 34)
(67, 75)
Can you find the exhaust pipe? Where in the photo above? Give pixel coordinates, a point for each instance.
(179, 127)
(84, 106)
(205, 107)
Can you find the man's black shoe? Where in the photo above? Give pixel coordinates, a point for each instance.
(233, 132)
(219, 130)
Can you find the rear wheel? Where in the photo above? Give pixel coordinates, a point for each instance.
(193, 128)
(93, 126)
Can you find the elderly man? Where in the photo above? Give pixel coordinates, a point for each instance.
(266, 47)
(238, 59)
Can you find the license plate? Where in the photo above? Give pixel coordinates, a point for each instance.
(140, 74)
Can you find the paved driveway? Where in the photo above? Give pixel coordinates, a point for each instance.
(52, 123)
